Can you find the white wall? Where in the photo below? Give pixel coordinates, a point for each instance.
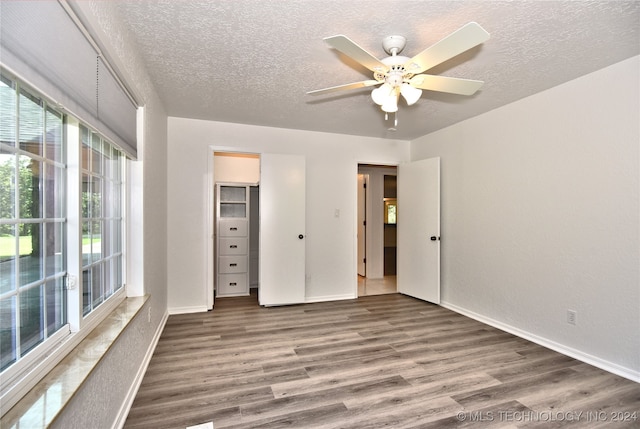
(331, 167)
(238, 168)
(540, 214)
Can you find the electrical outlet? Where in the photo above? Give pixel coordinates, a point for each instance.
(571, 317)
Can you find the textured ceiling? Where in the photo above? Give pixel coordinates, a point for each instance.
(252, 61)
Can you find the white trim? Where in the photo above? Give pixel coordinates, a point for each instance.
(211, 221)
(134, 224)
(210, 217)
(354, 250)
(74, 223)
(545, 342)
(137, 381)
(327, 298)
(186, 310)
(371, 166)
(93, 319)
(19, 378)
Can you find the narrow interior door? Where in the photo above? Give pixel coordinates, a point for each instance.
(419, 229)
(282, 229)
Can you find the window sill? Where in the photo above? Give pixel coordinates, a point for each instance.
(39, 407)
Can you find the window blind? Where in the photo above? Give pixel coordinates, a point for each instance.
(41, 44)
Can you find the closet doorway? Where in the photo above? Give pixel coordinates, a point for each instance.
(376, 228)
(233, 171)
(279, 252)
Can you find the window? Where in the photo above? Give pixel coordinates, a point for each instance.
(39, 176)
(390, 211)
(102, 166)
(62, 170)
(32, 222)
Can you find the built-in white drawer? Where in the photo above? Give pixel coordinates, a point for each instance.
(232, 264)
(233, 246)
(232, 284)
(232, 228)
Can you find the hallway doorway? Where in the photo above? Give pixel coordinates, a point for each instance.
(376, 229)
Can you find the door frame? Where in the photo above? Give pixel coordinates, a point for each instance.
(211, 214)
(355, 216)
(362, 223)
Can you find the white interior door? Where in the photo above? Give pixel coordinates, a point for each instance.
(419, 229)
(282, 229)
(362, 229)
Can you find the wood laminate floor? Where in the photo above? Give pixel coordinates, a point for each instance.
(385, 285)
(386, 361)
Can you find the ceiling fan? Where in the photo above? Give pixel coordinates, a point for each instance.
(399, 75)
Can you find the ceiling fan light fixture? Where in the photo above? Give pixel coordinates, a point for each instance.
(382, 93)
(391, 104)
(410, 93)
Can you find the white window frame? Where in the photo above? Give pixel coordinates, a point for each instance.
(30, 359)
(25, 373)
(75, 316)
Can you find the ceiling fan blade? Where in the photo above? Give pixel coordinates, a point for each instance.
(357, 53)
(454, 44)
(446, 84)
(354, 85)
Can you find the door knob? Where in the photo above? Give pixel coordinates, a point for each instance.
(300, 236)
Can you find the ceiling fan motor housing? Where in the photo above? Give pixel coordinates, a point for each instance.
(396, 73)
(395, 76)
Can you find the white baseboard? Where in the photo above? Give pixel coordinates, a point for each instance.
(185, 310)
(545, 342)
(133, 390)
(330, 298)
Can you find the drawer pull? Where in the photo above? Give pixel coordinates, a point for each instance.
(233, 228)
(233, 265)
(233, 246)
(233, 284)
